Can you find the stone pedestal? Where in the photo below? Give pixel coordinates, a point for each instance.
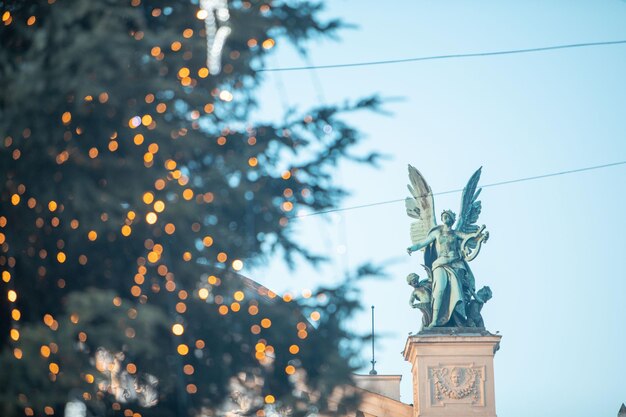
(452, 372)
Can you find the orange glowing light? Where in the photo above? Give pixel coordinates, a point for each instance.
(66, 118)
(54, 368)
(178, 329)
(44, 351)
(237, 265)
(153, 257)
(148, 197)
(182, 349)
(126, 230)
(188, 194)
(15, 334)
(151, 218)
(159, 206)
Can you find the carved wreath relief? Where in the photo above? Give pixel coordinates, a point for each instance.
(457, 384)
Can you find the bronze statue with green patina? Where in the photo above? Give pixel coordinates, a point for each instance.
(448, 296)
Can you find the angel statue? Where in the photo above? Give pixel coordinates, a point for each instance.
(447, 251)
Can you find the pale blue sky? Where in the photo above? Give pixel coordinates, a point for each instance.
(555, 256)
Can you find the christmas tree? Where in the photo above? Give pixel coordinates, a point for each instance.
(135, 186)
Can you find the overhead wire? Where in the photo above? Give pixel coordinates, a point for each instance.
(280, 88)
(342, 236)
(458, 190)
(447, 56)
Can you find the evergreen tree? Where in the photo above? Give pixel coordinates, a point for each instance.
(134, 186)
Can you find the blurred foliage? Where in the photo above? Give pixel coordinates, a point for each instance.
(135, 185)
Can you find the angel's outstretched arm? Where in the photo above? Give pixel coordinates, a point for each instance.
(422, 243)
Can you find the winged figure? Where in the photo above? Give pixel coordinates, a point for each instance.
(447, 250)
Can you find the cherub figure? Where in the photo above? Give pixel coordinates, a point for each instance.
(474, 318)
(420, 297)
(447, 250)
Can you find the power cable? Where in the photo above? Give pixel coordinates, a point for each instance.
(341, 263)
(450, 56)
(495, 184)
(280, 88)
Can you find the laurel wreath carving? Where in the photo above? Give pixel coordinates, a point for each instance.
(444, 388)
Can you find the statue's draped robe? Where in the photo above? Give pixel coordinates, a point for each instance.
(454, 277)
(458, 282)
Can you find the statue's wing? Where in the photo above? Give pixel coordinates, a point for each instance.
(421, 206)
(470, 206)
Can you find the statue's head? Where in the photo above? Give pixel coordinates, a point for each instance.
(484, 294)
(456, 376)
(448, 217)
(413, 279)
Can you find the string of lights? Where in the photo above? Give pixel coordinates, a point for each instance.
(458, 190)
(448, 56)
